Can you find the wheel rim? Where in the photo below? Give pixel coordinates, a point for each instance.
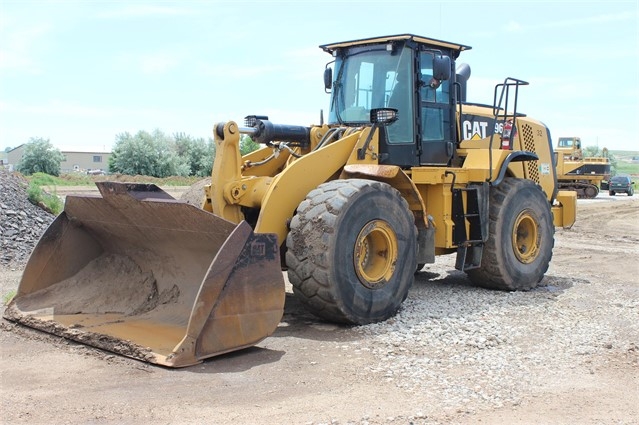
(525, 237)
(375, 254)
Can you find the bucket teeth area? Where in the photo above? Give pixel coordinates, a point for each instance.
(152, 278)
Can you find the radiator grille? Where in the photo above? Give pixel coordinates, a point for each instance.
(529, 145)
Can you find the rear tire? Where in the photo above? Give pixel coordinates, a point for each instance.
(352, 251)
(521, 238)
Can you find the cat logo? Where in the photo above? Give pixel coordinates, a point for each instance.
(474, 130)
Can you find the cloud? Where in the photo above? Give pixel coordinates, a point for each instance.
(17, 48)
(513, 26)
(306, 64)
(153, 63)
(290, 64)
(66, 109)
(236, 71)
(142, 11)
(584, 53)
(157, 63)
(606, 18)
(81, 126)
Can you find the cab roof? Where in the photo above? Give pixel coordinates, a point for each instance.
(385, 39)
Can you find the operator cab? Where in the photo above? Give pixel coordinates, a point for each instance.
(413, 74)
(570, 146)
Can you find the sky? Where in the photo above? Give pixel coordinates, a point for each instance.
(81, 72)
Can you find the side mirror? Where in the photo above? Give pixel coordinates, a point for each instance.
(328, 79)
(441, 68)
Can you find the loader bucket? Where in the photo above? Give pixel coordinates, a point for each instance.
(136, 272)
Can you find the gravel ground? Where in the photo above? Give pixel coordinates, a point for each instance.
(480, 350)
(565, 353)
(21, 222)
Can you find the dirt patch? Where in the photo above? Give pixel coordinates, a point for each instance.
(194, 195)
(99, 340)
(92, 290)
(564, 353)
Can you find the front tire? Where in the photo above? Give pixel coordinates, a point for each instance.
(521, 238)
(351, 251)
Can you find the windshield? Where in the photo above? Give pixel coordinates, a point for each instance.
(619, 179)
(370, 77)
(565, 142)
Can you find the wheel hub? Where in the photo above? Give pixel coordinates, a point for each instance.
(375, 254)
(526, 237)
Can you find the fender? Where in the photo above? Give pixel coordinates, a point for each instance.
(393, 175)
(516, 156)
(397, 178)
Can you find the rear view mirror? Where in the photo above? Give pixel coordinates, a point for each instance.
(441, 68)
(328, 78)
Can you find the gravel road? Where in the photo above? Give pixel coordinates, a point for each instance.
(565, 353)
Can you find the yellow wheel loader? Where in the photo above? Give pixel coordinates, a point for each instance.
(403, 170)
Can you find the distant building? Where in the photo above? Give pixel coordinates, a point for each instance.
(14, 156)
(73, 161)
(85, 161)
(4, 161)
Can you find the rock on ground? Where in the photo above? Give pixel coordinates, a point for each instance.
(21, 222)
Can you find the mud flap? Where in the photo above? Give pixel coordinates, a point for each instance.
(139, 273)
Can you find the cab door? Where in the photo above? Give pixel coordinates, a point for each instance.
(435, 115)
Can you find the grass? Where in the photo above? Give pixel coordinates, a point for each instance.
(627, 168)
(42, 179)
(624, 154)
(625, 165)
(41, 184)
(47, 201)
(6, 299)
(77, 179)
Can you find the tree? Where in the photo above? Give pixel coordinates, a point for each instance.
(198, 153)
(40, 157)
(149, 154)
(593, 151)
(247, 145)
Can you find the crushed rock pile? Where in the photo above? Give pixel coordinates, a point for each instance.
(21, 222)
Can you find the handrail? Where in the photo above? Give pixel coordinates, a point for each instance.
(504, 97)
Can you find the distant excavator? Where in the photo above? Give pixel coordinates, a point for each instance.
(577, 173)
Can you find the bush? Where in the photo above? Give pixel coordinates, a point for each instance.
(43, 179)
(198, 153)
(73, 179)
(148, 154)
(49, 202)
(247, 145)
(40, 156)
